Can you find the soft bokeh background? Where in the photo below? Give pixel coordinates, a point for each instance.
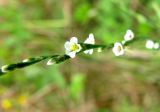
(97, 83)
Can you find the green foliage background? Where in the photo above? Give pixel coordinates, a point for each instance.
(97, 83)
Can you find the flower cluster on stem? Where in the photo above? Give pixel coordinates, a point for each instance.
(73, 47)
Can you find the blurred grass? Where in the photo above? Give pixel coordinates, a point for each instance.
(97, 83)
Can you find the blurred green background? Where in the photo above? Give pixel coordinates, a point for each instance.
(97, 83)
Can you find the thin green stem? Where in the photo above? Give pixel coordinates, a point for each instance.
(55, 58)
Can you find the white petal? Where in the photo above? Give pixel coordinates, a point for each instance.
(3, 68)
(115, 51)
(25, 60)
(50, 62)
(67, 52)
(74, 40)
(90, 39)
(91, 51)
(86, 51)
(129, 35)
(87, 41)
(67, 45)
(149, 44)
(72, 54)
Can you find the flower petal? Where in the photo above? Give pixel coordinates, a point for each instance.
(90, 39)
(67, 45)
(74, 40)
(86, 51)
(25, 60)
(72, 54)
(4, 68)
(91, 51)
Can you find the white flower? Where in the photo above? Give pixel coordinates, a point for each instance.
(149, 44)
(4, 68)
(72, 47)
(89, 40)
(129, 35)
(50, 62)
(118, 49)
(156, 45)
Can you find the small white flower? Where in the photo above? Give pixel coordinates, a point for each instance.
(50, 62)
(72, 47)
(129, 35)
(25, 60)
(4, 68)
(156, 45)
(118, 49)
(89, 40)
(149, 44)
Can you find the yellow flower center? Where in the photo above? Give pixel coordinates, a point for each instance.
(74, 47)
